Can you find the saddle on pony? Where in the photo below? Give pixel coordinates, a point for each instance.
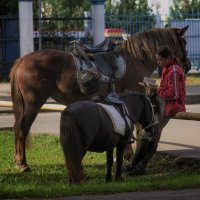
(118, 113)
(96, 64)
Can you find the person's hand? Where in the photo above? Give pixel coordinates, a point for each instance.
(151, 89)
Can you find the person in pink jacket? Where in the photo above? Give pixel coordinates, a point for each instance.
(172, 90)
(172, 84)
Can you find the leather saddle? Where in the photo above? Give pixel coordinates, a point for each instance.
(105, 57)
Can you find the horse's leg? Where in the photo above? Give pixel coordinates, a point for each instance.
(138, 133)
(154, 143)
(146, 149)
(109, 163)
(21, 128)
(128, 153)
(119, 161)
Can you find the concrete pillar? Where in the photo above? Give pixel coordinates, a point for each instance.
(87, 24)
(158, 19)
(98, 21)
(26, 26)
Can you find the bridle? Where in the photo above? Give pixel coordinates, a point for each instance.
(186, 61)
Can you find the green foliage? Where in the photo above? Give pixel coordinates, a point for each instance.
(129, 14)
(48, 178)
(182, 9)
(8, 7)
(50, 8)
(62, 9)
(128, 5)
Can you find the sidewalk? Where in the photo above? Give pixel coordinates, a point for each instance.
(181, 139)
(192, 93)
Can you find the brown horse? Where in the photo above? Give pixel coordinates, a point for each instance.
(52, 73)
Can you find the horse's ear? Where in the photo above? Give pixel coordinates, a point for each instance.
(182, 31)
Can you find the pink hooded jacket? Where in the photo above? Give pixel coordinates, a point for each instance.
(172, 88)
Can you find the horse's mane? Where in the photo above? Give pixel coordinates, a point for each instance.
(144, 45)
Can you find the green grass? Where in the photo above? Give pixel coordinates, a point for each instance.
(48, 177)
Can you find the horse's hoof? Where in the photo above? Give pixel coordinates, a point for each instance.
(126, 168)
(137, 170)
(118, 179)
(24, 168)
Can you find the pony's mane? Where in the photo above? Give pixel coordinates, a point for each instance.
(157, 101)
(130, 92)
(144, 45)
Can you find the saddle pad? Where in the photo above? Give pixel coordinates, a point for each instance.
(117, 120)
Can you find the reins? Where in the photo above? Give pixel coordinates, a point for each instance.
(154, 119)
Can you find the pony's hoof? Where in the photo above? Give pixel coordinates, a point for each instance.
(24, 168)
(137, 170)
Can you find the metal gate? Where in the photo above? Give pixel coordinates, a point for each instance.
(9, 44)
(56, 34)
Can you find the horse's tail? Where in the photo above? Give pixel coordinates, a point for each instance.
(72, 147)
(17, 98)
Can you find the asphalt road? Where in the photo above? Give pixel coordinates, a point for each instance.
(189, 194)
(184, 194)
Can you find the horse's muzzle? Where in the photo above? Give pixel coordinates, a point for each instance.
(187, 65)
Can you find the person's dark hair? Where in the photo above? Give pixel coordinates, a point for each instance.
(164, 52)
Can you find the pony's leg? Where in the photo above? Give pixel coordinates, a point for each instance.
(119, 161)
(75, 177)
(21, 128)
(109, 163)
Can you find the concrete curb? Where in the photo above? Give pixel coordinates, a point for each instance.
(6, 129)
(193, 99)
(181, 160)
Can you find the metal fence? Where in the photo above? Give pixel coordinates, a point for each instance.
(9, 43)
(58, 32)
(132, 23)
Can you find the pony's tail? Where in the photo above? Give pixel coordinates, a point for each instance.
(17, 98)
(72, 147)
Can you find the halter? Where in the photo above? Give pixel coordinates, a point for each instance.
(154, 119)
(186, 59)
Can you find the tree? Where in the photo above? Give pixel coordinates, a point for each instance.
(182, 9)
(8, 7)
(126, 14)
(60, 9)
(63, 8)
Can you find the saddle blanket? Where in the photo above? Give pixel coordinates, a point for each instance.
(117, 120)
